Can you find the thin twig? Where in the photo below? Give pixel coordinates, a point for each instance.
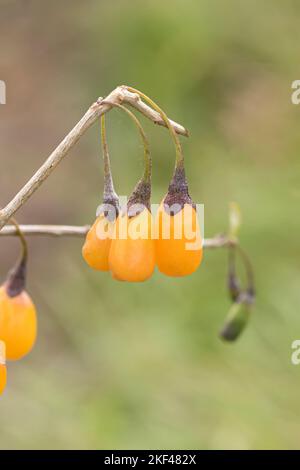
(47, 230)
(218, 241)
(119, 95)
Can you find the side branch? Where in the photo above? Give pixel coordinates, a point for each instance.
(119, 95)
(218, 241)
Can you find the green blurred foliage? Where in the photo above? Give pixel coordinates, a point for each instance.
(141, 366)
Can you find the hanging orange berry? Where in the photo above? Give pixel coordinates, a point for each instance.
(95, 250)
(178, 239)
(132, 252)
(2, 367)
(18, 322)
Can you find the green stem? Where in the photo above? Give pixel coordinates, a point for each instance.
(23, 241)
(16, 279)
(248, 267)
(231, 259)
(147, 155)
(178, 148)
(108, 181)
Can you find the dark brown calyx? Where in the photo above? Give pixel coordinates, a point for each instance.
(16, 280)
(178, 193)
(110, 206)
(139, 199)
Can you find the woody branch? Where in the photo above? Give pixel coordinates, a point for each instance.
(218, 241)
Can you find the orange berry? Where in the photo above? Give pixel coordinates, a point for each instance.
(2, 378)
(2, 367)
(96, 248)
(132, 251)
(178, 241)
(18, 323)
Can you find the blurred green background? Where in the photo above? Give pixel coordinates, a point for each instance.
(121, 365)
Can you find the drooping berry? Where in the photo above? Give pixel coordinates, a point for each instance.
(18, 320)
(3, 374)
(238, 316)
(97, 244)
(95, 250)
(132, 252)
(178, 238)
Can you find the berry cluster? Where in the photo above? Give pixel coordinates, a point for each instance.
(130, 242)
